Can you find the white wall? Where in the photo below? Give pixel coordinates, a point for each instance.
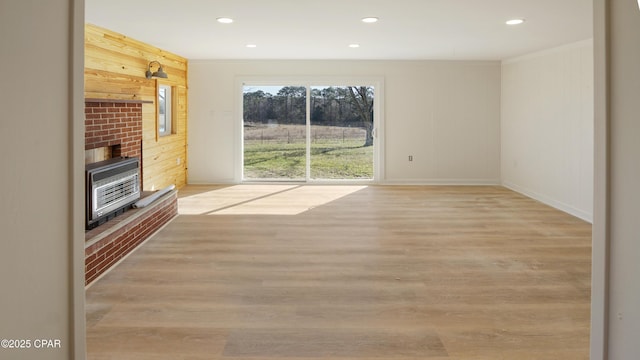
(547, 127)
(618, 228)
(41, 183)
(445, 114)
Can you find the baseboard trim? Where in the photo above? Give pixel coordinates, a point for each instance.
(551, 202)
(460, 182)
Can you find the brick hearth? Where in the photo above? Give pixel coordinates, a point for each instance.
(110, 242)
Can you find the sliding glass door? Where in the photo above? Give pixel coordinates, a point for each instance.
(308, 133)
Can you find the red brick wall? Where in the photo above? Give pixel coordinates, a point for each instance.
(113, 123)
(103, 254)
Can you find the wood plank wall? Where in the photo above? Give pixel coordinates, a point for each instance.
(115, 68)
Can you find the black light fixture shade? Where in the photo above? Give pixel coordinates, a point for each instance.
(157, 74)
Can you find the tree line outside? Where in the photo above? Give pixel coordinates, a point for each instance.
(342, 106)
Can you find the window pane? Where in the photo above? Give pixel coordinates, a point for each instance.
(341, 132)
(164, 110)
(274, 132)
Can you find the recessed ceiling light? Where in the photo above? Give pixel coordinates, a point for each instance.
(224, 20)
(515, 21)
(353, 46)
(252, 46)
(370, 20)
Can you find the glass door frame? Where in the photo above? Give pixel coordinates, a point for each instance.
(377, 82)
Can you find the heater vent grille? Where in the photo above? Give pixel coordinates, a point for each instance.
(116, 188)
(112, 186)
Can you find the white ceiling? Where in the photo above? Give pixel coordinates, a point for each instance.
(323, 29)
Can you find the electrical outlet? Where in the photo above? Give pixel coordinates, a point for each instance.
(178, 161)
(410, 157)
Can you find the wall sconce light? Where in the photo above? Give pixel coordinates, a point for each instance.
(158, 74)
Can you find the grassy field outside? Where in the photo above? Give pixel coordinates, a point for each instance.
(279, 152)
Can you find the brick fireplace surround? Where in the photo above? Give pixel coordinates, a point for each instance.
(117, 126)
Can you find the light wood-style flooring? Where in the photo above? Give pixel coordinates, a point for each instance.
(263, 272)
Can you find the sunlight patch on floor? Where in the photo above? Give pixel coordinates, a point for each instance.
(256, 199)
